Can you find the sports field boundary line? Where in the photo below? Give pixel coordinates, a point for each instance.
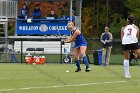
(74, 85)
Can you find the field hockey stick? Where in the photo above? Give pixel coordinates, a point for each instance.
(62, 41)
(66, 59)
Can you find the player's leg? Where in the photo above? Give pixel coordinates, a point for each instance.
(137, 52)
(108, 56)
(131, 57)
(103, 56)
(85, 59)
(126, 64)
(77, 62)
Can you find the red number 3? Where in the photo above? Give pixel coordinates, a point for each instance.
(130, 30)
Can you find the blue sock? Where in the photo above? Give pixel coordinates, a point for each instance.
(78, 64)
(85, 60)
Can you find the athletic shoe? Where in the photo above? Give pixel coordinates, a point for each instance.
(77, 70)
(128, 76)
(103, 65)
(88, 69)
(107, 65)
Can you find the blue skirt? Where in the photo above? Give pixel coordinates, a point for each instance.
(77, 45)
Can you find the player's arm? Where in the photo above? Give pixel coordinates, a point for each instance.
(68, 38)
(138, 32)
(101, 39)
(122, 33)
(77, 32)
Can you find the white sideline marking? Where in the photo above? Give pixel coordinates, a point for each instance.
(75, 85)
(7, 89)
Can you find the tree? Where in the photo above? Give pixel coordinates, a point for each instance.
(99, 13)
(115, 26)
(134, 8)
(94, 18)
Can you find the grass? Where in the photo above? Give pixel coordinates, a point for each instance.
(53, 78)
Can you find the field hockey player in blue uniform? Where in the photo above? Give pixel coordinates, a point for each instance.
(79, 47)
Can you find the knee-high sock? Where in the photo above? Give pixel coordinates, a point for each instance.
(78, 64)
(126, 67)
(85, 60)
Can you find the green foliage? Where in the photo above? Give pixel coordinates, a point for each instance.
(87, 22)
(96, 17)
(116, 24)
(134, 8)
(11, 29)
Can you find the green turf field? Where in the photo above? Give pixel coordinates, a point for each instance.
(53, 78)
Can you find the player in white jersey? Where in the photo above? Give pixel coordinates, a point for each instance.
(129, 37)
(130, 34)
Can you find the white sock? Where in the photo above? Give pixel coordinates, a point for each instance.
(126, 67)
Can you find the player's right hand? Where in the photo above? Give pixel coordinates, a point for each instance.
(63, 42)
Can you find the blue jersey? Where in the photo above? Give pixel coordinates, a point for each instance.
(24, 12)
(107, 36)
(79, 40)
